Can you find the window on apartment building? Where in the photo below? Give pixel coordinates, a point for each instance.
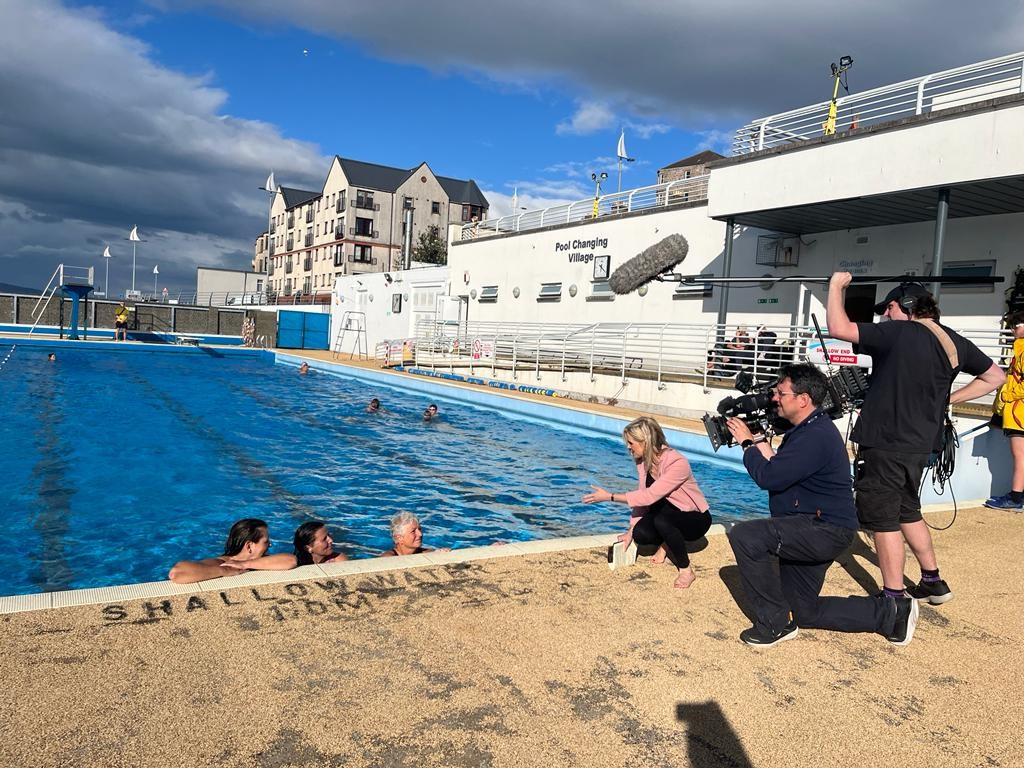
(471, 212)
(339, 255)
(406, 203)
(364, 226)
(363, 254)
(435, 208)
(364, 198)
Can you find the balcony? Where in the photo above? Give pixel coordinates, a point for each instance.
(340, 206)
(308, 241)
(290, 244)
(339, 232)
(362, 259)
(309, 215)
(288, 266)
(339, 259)
(307, 264)
(368, 205)
(373, 234)
(291, 220)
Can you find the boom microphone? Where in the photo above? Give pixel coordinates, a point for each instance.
(648, 264)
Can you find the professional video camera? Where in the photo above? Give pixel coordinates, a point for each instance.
(846, 390)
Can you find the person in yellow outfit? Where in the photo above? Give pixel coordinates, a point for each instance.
(121, 322)
(1009, 403)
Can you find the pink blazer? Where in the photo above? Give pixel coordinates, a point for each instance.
(675, 482)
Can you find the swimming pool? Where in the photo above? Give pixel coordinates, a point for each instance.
(119, 464)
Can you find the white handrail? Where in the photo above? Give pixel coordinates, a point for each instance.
(678, 192)
(983, 80)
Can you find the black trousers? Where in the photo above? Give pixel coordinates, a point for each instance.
(664, 523)
(782, 562)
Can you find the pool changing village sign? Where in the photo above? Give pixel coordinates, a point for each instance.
(581, 251)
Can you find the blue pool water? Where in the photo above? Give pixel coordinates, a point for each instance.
(118, 464)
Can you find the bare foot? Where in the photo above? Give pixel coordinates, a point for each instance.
(685, 578)
(659, 556)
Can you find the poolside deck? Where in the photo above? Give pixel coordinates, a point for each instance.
(546, 659)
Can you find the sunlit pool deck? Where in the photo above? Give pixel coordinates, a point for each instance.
(519, 655)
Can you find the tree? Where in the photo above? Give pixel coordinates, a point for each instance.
(431, 249)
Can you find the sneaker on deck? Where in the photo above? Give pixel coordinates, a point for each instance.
(761, 637)
(907, 611)
(1004, 502)
(935, 592)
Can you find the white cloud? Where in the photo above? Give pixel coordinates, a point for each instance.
(590, 117)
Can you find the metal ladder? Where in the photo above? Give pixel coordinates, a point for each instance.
(351, 323)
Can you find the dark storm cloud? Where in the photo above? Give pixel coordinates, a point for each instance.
(96, 138)
(700, 64)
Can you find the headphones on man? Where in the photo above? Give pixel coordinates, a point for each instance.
(906, 301)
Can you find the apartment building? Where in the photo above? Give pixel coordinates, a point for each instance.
(357, 222)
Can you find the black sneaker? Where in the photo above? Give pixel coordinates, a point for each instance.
(761, 637)
(907, 611)
(935, 592)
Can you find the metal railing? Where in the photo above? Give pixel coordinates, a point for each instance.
(658, 351)
(941, 90)
(693, 189)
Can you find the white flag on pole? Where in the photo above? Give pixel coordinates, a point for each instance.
(621, 151)
(106, 252)
(134, 235)
(270, 186)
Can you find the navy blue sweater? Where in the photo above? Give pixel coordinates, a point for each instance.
(809, 475)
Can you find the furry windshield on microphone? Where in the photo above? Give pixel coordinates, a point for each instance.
(648, 264)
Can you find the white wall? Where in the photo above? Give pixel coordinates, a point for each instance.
(528, 259)
(946, 150)
(373, 295)
(212, 280)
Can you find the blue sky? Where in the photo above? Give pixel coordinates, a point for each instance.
(169, 114)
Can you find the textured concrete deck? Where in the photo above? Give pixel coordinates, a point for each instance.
(545, 659)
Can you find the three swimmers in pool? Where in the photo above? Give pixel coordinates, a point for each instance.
(249, 539)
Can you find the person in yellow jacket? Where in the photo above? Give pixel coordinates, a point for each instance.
(1009, 404)
(121, 322)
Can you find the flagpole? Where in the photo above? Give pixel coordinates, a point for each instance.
(270, 187)
(620, 176)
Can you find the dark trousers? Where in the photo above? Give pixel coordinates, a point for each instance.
(664, 523)
(782, 562)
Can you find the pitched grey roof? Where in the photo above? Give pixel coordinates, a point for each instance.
(387, 179)
(294, 197)
(460, 191)
(701, 157)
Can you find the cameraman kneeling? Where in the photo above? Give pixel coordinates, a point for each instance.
(783, 559)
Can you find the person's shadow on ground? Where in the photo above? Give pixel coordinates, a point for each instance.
(711, 741)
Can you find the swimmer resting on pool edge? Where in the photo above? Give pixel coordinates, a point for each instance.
(245, 549)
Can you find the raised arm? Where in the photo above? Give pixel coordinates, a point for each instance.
(839, 324)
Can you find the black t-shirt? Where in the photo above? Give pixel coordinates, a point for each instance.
(910, 382)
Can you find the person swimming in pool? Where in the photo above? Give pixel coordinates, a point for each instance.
(373, 406)
(304, 368)
(407, 535)
(245, 549)
(314, 545)
(430, 413)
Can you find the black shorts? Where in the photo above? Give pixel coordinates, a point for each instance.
(887, 486)
(118, 324)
